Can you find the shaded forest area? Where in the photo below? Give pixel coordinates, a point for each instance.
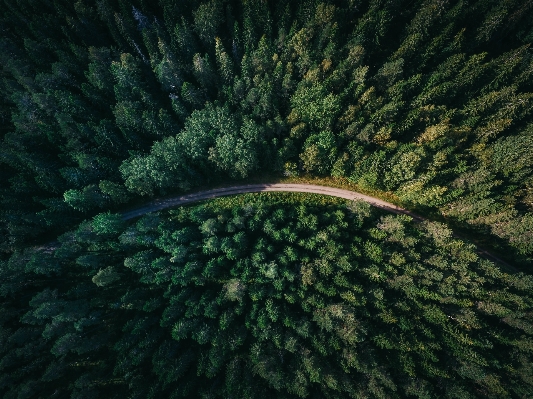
(262, 296)
(105, 102)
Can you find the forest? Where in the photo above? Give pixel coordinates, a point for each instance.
(262, 296)
(108, 104)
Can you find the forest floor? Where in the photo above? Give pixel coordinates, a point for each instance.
(172, 201)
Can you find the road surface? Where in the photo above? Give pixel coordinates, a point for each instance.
(158, 205)
(161, 204)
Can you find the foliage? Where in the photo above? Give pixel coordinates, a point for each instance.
(268, 295)
(106, 102)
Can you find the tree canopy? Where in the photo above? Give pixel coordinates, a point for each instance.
(107, 104)
(264, 295)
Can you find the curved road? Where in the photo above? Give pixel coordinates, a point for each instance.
(158, 205)
(256, 188)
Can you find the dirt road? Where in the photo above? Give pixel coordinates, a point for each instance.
(255, 188)
(158, 205)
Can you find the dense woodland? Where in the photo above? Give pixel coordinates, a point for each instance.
(107, 101)
(105, 104)
(264, 296)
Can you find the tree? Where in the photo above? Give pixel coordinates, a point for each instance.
(389, 73)
(106, 276)
(90, 197)
(224, 62)
(319, 153)
(168, 71)
(207, 19)
(314, 106)
(204, 71)
(402, 167)
(99, 73)
(238, 153)
(116, 192)
(108, 224)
